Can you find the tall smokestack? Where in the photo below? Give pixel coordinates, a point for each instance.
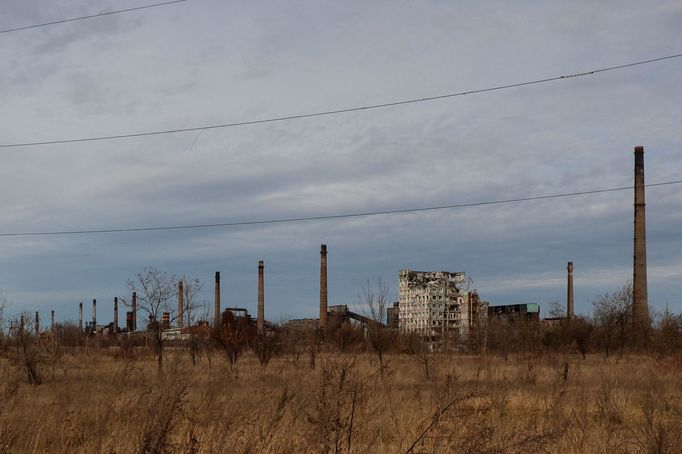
(134, 311)
(216, 309)
(569, 291)
(640, 303)
(181, 305)
(52, 321)
(261, 300)
(37, 323)
(115, 315)
(80, 315)
(323, 288)
(94, 315)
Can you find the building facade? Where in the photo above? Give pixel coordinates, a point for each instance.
(438, 304)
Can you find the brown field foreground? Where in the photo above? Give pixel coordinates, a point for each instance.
(95, 401)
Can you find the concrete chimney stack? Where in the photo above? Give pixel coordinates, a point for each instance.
(181, 304)
(94, 316)
(52, 321)
(569, 292)
(134, 311)
(80, 315)
(261, 300)
(323, 288)
(115, 316)
(37, 323)
(640, 302)
(216, 309)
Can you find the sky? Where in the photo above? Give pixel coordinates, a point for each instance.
(205, 62)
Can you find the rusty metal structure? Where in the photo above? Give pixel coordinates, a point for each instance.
(181, 305)
(640, 303)
(216, 308)
(569, 291)
(324, 314)
(261, 299)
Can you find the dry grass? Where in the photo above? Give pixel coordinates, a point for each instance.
(100, 403)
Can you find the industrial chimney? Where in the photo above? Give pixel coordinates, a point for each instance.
(261, 300)
(569, 291)
(181, 306)
(52, 321)
(94, 316)
(134, 311)
(323, 288)
(37, 323)
(640, 304)
(80, 315)
(216, 309)
(115, 316)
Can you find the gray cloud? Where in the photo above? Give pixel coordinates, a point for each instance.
(209, 62)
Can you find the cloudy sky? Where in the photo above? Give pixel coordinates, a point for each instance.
(207, 61)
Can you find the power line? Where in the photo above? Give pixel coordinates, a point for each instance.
(91, 16)
(329, 217)
(339, 111)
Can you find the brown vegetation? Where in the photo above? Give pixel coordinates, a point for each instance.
(102, 401)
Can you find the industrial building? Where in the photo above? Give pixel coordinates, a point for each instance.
(527, 311)
(438, 304)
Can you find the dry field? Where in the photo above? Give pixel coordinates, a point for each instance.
(97, 402)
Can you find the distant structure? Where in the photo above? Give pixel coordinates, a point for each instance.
(640, 303)
(94, 315)
(261, 300)
(526, 311)
(569, 291)
(216, 308)
(323, 288)
(393, 315)
(436, 304)
(181, 305)
(134, 311)
(115, 326)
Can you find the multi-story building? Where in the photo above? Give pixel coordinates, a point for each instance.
(438, 304)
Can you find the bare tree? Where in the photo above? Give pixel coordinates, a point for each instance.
(4, 304)
(375, 304)
(190, 289)
(156, 292)
(613, 315)
(233, 335)
(28, 352)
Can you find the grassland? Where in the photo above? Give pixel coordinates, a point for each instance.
(96, 401)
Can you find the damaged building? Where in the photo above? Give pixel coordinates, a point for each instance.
(438, 304)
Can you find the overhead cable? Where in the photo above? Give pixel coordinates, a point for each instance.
(91, 16)
(325, 217)
(336, 111)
